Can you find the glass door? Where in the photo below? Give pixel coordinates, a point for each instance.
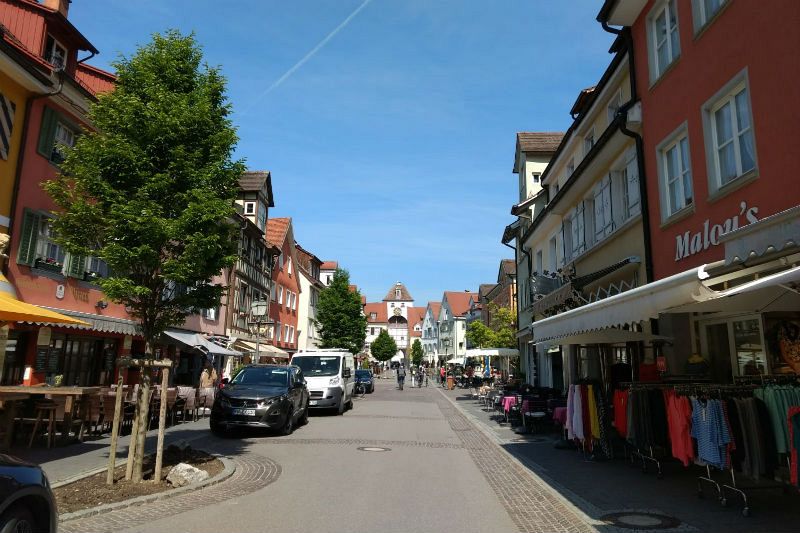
(734, 347)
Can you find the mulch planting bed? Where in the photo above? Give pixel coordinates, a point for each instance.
(92, 491)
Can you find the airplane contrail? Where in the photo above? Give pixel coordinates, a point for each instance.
(312, 52)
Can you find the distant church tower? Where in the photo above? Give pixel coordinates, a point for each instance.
(398, 300)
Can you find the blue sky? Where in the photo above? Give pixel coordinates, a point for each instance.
(391, 146)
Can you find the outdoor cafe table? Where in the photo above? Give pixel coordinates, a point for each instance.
(69, 393)
(509, 402)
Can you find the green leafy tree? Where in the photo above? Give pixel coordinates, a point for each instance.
(152, 189)
(340, 317)
(480, 335)
(416, 352)
(504, 325)
(383, 348)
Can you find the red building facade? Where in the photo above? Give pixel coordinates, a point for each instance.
(719, 126)
(285, 289)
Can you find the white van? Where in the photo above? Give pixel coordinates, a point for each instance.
(330, 378)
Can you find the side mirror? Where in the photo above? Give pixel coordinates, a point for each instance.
(346, 373)
(299, 384)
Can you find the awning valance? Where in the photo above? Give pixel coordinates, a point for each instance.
(14, 310)
(608, 336)
(774, 233)
(629, 307)
(492, 352)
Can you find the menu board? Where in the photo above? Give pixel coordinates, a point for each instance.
(53, 359)
(41, 358)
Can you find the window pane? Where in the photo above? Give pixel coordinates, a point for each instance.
(750, 354)
(742, 111)
(687, 172)
(746, 151)
(722, 118)
(672, 163)
(663, 57)
(675, 202)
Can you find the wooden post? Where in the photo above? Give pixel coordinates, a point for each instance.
(162, 418)
(133, 439)
(112, 454)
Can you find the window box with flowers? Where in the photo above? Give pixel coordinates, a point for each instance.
(49, 264)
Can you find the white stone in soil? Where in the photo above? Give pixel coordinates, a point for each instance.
(185, 474)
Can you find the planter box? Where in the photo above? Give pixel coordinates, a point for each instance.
(50, 267)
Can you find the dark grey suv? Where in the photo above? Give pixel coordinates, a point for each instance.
(26, 501)
(262, 396)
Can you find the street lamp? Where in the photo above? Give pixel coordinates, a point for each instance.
(258, 317)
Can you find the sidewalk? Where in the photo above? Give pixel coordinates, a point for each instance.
(64, 463)
(602, 488)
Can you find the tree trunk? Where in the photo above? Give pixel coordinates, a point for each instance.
(144, 405)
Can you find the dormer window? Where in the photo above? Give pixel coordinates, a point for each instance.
(55, 53)
(249, 208)
(397, 293)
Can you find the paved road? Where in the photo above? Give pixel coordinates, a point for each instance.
(440, 472)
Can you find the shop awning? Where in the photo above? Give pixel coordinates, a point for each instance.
(455, 361)
(13, 310)
(268, 350)
(626, 308)
(198, 342)
(776, 292)
(608, 336)
(492, 352)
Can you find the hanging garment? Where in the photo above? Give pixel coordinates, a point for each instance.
(632, 413)
(794, 435)
(577, 414)
(710, 432)
(594, 421)
(767, 437)
(738, 411)
(756, 436)
(587, 424)
(679, 420)
(621, 412)
(658, 418)
(570, 411)
(730, 449)
(738, 453)
(603, 421)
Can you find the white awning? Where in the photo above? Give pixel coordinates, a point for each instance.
(195, 340)
(776, 292)
(626, 308)
(492, 352)
(455, 361)
(608, 336)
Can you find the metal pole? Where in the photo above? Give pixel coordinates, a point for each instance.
(258, 340)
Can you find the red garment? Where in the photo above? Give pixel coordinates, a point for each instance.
(649, 372)
(679, 421)
(793, 465)
(732, 444)
(621, 412)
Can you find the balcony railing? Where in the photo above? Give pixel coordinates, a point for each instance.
(544, 284)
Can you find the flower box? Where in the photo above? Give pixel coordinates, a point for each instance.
(49, 265)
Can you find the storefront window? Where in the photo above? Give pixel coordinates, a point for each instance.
(750, 354)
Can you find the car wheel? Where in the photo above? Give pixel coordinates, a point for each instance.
(288, 426)
(371, 389)
(17, 519)
(304, 417)
(340, 408)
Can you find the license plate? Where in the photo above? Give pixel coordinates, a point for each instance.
(312, 402)
(244, 412)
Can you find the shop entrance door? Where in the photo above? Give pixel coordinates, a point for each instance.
(718, 348)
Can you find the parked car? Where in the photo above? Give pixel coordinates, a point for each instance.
(365, 377)
(262, 396)
(26, 501)
(330, 377)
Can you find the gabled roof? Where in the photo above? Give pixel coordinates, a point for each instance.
(484, 289)
(329, 265)
(539, 142)
(405, 296)
(508, 267)
(583, 100)
(379, 309)
(416, 315)
(435, 308)
(277, 229)
(255, 180)
(459, 301)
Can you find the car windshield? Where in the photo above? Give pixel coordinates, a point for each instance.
(362, 374)
(318, 365)
(263, 376)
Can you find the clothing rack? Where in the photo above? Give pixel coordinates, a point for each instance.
(768, 379)
(643, 455)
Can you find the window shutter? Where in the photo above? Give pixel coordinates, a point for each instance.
(47, 133)
(27, 243)
(77, 266)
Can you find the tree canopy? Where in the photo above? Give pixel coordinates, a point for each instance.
(383, 348)
(152, 189)
(416, 352)
(340, 317)
(501, 333)
(479, 335)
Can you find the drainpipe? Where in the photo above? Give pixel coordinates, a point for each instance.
(643, 197)
(514, 294)
(21, 158)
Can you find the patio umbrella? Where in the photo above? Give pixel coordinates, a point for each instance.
(13, 310)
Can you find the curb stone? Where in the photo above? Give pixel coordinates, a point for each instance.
(230, 468)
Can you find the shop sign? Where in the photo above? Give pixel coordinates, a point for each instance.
(44, 337)
(60, 292)
(691, 243)
(661, 363)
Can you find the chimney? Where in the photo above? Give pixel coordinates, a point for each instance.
(62, 6)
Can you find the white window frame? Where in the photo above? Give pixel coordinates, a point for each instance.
(613, 105)
(570, 169)
(629, 181)
(536, 177)
(667, 8)
(249, 208)
(553, 253)
(578, 227)
(65, 136)
(280, 295)
(289, 266)
(539, 262)
(727, 96)
(588, 142)
(673, 141)
(49, 55)
(700, 15)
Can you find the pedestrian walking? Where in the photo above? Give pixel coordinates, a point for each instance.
(401, 376)
(442, 373)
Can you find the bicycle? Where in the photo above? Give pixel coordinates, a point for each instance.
(360, 389)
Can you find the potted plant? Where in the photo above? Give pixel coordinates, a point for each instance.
(90, 275)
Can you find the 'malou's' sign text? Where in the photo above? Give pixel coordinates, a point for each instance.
(692, 243)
